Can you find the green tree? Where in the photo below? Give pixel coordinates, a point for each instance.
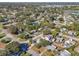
(43, 43)
(13, 29)
(61, 19)
(13, 46)
(54, 32)
(46, 32)
(3, 52)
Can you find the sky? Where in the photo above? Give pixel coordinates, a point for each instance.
(39, 0)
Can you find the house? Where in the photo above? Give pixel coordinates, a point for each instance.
(71, 33)
(58, 45)
(34, 53)
(36, 41)
(33, 31)
(2, 46)
(52, 47)
(53, 39)
(64, 53)
(59, 39)
(68, 43)
(63, 29)
(48, 37)
(39, 29)
(55, 22)
(4, 20)
(60, 34)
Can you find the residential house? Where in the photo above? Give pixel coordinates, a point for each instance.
(48, 37)
(68, 43)
(59, 39)
(51, 47)
(71, 33)
(63, 29)
(64, 53)
(33, 52)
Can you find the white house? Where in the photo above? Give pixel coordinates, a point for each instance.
(65, 53)
(59, 39)
(71, 33)
(48, 37)
(69, 43)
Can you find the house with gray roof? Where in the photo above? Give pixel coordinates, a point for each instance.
(51, 47)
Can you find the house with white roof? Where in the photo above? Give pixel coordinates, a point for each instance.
(59, 39)
(71, 33)
(64, 53)
(48, 37)
(68, 43)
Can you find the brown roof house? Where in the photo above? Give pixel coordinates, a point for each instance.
(2, 46)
